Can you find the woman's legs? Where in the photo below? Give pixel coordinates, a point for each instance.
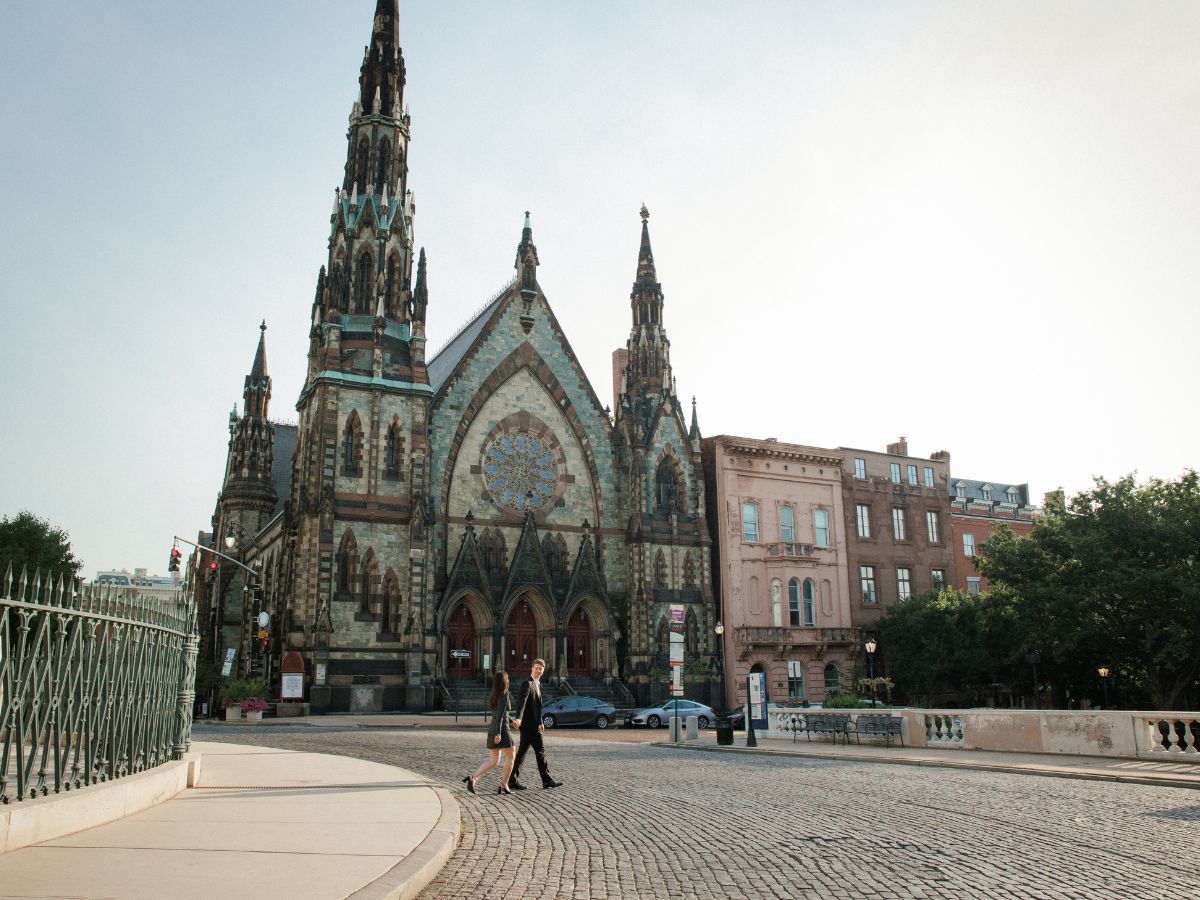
(488, 766)
(510, 757)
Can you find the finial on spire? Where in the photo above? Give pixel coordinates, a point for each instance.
(645, 213)
(527, 260)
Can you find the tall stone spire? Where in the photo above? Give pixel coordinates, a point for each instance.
(376, 156)
(249, 491)
(420, 298)
(649, 359)
(257, 392)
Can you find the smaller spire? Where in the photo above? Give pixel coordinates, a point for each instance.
(259, 370)
(645, 269)
(420, 298)
(694, 431)
(527, 259)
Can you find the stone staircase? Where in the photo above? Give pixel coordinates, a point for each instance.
(470, 696)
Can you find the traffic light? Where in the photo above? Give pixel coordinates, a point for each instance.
(173, 565)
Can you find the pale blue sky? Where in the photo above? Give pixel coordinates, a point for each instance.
(973, 224)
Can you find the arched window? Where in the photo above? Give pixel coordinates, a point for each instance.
(366, 583)
(494, 552)
(750, 522)
(383, 168)
(787, 525)
(554, 551)
(794, 603)
(389, 613)
(668, 495)
(392, 288)
(347, 558)
(689, 571)
(660, 570)
(364, 278)
(810, 611)
(663, 641)
(833, 681)
(352, 446)
(361, 159)
(691, 634)
(393, 452)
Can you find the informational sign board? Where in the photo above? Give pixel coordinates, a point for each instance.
(757, 692)
(676, 621)
(677, 681)
(677, 654)
(460, 654)
(487, 662)
(228, 667)
(291, 686)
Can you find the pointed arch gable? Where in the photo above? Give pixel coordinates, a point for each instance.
(392, 612)
(368, 582)
(523, 357)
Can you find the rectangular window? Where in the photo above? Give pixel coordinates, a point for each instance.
(938, 577)
(821, 527)
(795, 680)
(787, 525)
(860, 468)
(968, 544)
(929, 476)
(750, 522)
(895, 473)
(903, 582)
(912, 475)
(867, 576)
(933, 527)
(972, 584)
(898, 524)
(862, 517)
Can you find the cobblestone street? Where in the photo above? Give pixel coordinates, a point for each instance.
(635, 820)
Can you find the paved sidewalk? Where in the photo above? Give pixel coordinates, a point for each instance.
(1166, 773)
(262, 823)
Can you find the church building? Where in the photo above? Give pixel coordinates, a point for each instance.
(431, 519)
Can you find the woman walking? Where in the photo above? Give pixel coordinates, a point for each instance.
(499, 739)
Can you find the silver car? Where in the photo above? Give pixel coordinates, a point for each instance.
(655, 716)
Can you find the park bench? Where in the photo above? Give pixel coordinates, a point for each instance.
(825, 723)
(884, 726)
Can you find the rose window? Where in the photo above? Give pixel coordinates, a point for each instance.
(520, 469)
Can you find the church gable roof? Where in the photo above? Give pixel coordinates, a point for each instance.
(528, 568)
(468, 571)
(442, 366)
(585, 575)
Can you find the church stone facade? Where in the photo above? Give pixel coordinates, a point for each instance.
(441, 518)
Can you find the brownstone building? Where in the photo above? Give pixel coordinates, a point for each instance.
(977, 508)
(898, 536)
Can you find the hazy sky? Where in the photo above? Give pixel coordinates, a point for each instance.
(973, 224)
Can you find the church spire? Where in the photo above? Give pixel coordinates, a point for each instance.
(378, 124)
(381, 79)
(694, 431)
(648, 350)
(527, 259)
(257, 392)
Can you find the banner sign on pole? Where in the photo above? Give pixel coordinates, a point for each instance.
(757, 688)
(228, 667)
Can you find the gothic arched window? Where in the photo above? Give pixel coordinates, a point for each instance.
(347, 556)
(361, 159)
(660, 570)
(794, 603)
(689, 571)
(393, 457)
(383, 168)
(366, 582)
(392, 288)
(668, 493)
(352, 446)
(364, 278)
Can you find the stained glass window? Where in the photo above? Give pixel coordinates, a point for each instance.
(520, 469)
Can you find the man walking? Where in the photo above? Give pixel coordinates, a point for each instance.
(529, 722)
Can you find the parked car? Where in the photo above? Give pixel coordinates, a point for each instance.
(577, 711)
(654, 716)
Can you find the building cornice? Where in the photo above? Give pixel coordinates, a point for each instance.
(778, 450)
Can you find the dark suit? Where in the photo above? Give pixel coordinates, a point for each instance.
(529, 711)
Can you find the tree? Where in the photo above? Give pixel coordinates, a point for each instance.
(32, 542)
(1112, 578)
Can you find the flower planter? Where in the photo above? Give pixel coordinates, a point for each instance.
(254, 715)
(233, 713)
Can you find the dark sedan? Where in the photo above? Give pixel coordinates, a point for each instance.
(578, 711)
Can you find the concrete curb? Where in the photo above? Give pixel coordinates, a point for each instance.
(412, 874)
(46, 818)
(1147, 780)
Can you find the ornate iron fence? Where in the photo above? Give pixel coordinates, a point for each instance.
(95, 683)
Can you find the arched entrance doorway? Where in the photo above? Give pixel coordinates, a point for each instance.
(460, 643)
(579, 645)
(520, 640)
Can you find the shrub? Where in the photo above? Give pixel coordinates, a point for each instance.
(254, 704)
(844, 701)
(236, 690)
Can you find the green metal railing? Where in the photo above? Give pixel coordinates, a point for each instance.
(96, 682)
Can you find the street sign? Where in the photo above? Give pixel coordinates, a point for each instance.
(228, 667)
(460, 654)
(291, 686)
(262, 633)
(677, 681)
(677, 654)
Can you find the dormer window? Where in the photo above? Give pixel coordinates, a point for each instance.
(986, 492)
(960, 491)
(1012, 496)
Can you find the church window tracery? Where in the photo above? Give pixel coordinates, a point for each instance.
(660, 570)
(352, 446)
(364, 278)
(520, 469)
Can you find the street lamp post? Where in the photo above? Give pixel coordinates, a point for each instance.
(870, 647)
(719, 630)
(1104, 672)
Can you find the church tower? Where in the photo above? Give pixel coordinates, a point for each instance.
(359, 505)
(248, 494)
(667, 538)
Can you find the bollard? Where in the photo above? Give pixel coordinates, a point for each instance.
(693, 728)
(674, 724)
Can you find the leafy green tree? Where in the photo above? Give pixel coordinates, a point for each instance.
(32, 542)
(1112, 578)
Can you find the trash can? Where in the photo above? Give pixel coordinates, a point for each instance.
(724, 731)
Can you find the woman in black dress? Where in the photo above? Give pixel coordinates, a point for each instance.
(499, 740)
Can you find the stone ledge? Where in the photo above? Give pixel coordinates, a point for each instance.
(27, 822)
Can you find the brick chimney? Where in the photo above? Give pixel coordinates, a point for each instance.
(900, 448)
